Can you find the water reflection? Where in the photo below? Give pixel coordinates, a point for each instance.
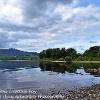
(53, 67)
(17, 65)
(93, 69)
(22, 74)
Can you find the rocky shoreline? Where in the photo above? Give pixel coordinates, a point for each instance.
(88, 93)
(83, 93)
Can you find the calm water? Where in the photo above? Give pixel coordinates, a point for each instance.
(43, 76)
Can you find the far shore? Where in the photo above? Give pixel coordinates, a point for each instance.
(77, 61)
(57, 61)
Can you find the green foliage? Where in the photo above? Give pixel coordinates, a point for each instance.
(72, 53)
(68, 58)
(57, 53)
(92, 54)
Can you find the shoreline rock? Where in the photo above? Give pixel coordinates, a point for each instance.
(83, 93)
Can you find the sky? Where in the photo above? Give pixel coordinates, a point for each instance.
(35, 25)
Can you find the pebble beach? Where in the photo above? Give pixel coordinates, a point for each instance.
(84, 93)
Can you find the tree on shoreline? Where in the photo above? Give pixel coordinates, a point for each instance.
(93, 53)
(57, 53)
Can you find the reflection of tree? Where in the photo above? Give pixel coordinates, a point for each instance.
(69, 67)
(55, 67)
(92, 68)
(58, 67)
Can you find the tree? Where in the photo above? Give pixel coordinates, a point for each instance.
(63, 52)
(93, 52)
(71, 52)
(68, 58)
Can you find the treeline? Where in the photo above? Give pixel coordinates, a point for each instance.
(92, 54)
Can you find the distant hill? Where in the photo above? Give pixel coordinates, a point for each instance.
(6, 53)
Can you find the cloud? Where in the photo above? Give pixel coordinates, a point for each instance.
(41, 24)
(10, 12)
(38, 8)
(3, 40)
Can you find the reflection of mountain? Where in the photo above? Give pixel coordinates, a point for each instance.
(12, 65)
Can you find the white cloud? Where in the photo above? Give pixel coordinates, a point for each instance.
(10, 12)
(59, 25)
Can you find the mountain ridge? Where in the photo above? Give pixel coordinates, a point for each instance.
(12, 52)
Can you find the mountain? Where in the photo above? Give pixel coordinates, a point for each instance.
(16, 53)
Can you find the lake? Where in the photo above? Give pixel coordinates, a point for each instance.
(25, 74)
